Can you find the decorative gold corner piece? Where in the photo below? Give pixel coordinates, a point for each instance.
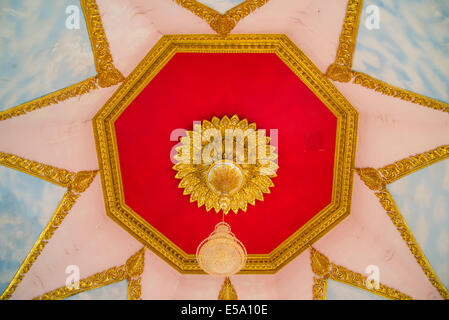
(130, 271)
(222, 24)
(371, 177)
(377, 179)
(107, 74)
(76, 183)
(340, 70)
(227, 291)
(327, 270)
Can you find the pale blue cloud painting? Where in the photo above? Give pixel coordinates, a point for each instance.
(410, 48)
(340, 291)
(38, 53)
(26, 205)
(423, 200)
(115, 291)
(221, 5)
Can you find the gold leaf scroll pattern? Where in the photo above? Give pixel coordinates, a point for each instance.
(222, 24)
(107, 74)
(298, 62)
(324, 270)
(377, 180)
(76, 183)
(130, 271)
(341, 69)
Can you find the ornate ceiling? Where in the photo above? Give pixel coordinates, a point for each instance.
(87, 188)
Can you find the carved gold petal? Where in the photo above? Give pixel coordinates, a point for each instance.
(76, 183)
(327, 270)
(295, 59)
(227, 291)
(107, 74)
(130, 271)
(222, 24)
(341, 69)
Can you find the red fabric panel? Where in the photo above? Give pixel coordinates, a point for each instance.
(198, 86)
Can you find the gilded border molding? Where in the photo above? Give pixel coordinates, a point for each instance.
(324, 270)
(341, 69)
(130, 271)
(297, 61)
(107, 74)
(222, 24)
(378, 179)
(76, 183)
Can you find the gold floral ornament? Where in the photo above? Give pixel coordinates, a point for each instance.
(225, 164)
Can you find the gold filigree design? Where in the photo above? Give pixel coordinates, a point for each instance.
(309, 74)
(341, 69)
(239, 176)
(328, 270)
(392, 173)
(130, 271)
(52, 98)
(388, 203)
(319, 288)
(76, 183)
(107, 74)
(227, 291)
(376, 179)
(222, 24)
(396, 92)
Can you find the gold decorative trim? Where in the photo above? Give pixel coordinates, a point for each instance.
(227, 291)
(292, 56)
(325, 270)
(222, 24)
(341, 69)
(388, 203)
(378, 179)
(389, 90)
(130, 271)
(107, 74)
(76, 183)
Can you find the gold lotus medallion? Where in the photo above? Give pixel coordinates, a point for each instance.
(225, 164)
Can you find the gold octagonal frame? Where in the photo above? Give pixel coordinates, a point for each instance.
(297, 61)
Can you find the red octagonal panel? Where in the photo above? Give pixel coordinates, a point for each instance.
(256, 86)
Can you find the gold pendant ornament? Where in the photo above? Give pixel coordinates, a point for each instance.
(221, 254)
(225, 164)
